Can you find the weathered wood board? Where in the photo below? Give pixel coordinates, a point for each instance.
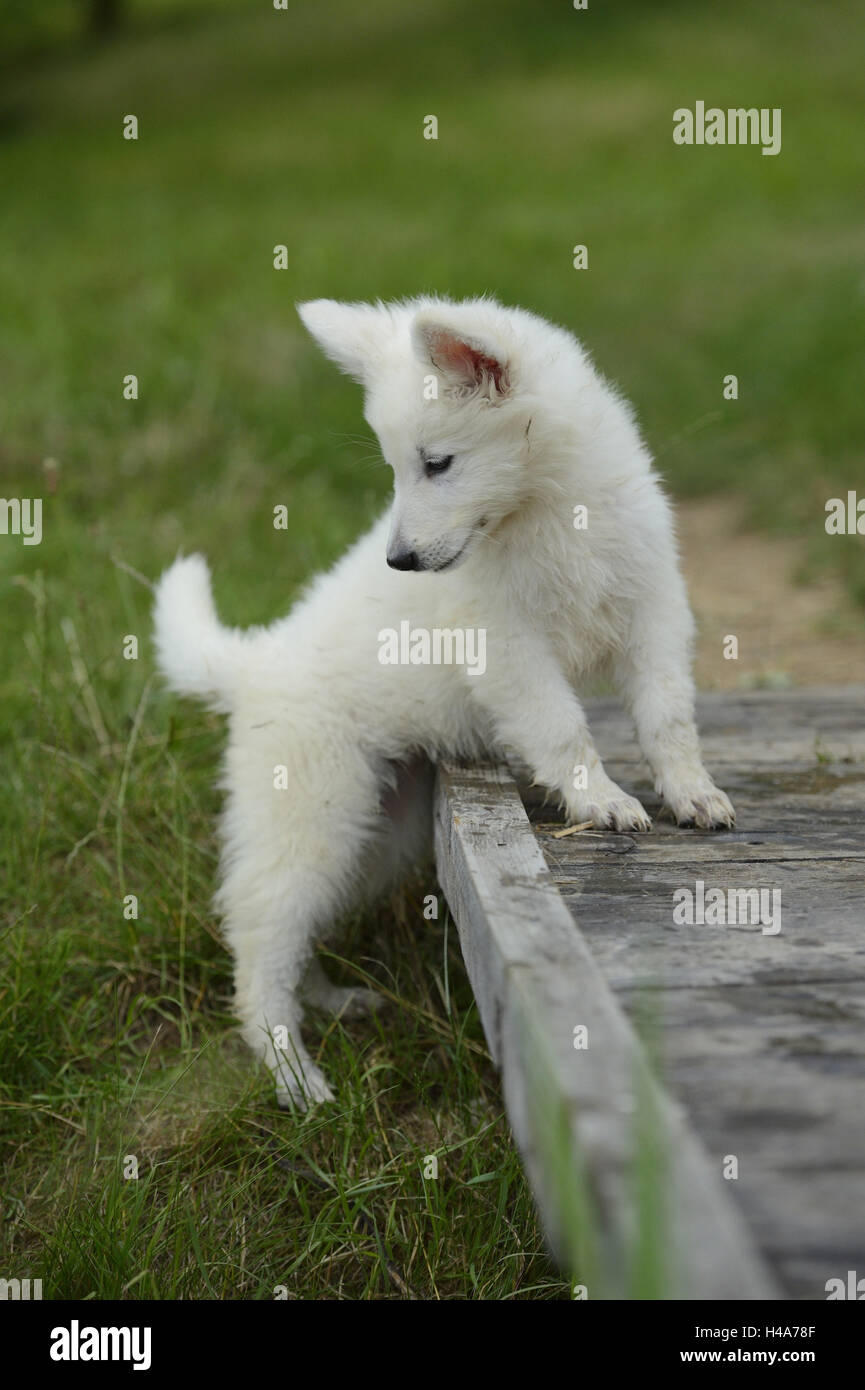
(575, 1113)
(757, 1036)
(760, 1036)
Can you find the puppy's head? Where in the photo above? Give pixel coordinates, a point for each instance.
(442, 394)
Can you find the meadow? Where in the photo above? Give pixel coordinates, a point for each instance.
(155, 257)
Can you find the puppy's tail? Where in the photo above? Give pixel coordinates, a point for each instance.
(195, 653)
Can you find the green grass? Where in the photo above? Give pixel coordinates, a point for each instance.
(155, 258)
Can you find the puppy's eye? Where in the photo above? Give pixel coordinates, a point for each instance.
(438, 465)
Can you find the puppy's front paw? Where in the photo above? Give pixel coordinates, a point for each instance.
(703, 805)
(609, 808)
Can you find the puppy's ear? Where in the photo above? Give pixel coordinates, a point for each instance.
(350, 334)
(465, 360)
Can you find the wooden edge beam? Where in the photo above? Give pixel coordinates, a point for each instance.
(630, 1202)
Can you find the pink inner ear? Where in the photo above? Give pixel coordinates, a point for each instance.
(455, 355)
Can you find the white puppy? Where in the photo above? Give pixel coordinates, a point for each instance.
(527, 525)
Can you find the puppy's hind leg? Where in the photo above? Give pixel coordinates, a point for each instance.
(403, 844)
(291, 866)
(353, 1001)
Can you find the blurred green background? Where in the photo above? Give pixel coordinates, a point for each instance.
(305, 127)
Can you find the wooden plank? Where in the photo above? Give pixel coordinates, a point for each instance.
(535, 982)
(809, 714)
(777, 816)
(796, 796)
(845, 842)
(625, 911)
(774, 1076)
(759, 1036)
(768, 729)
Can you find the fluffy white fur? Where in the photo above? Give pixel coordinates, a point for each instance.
(532, 431)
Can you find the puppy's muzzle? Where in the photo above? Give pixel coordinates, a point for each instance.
(404, 560)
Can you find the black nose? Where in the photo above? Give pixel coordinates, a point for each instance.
(407, 560)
